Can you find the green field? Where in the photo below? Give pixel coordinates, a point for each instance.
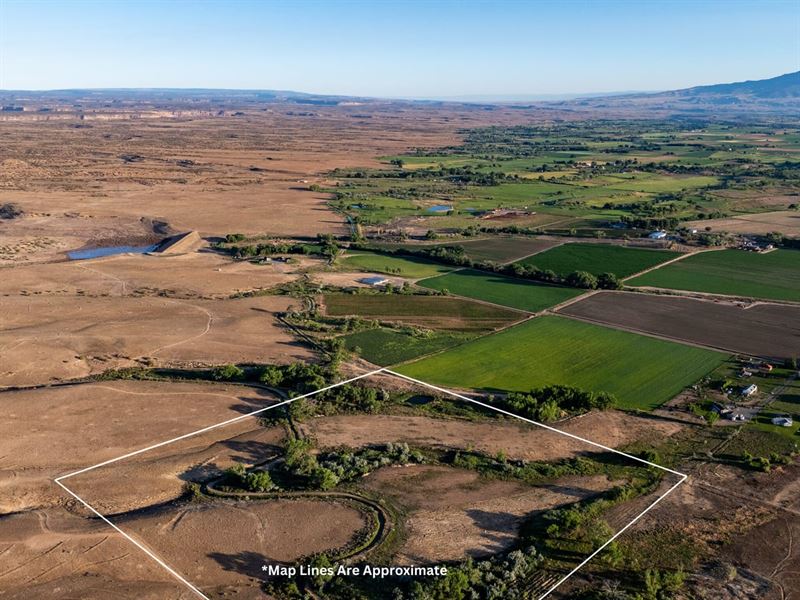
(642, 372)
(435, 312)
(385, 347)
(404, 266)
(599, 258)
(506, 291)
(774, 275)
(503, 249)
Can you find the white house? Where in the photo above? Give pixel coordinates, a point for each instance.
(658, 235)
(782, 421)
(374, 281)
(750, 390)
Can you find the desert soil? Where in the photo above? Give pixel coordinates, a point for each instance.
(516, 440)
(455, 513)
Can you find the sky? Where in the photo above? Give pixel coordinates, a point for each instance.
(390, 48)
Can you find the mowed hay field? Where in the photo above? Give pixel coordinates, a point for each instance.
(405, 266)
(599, 258)
(642, 372)
(437, 312)
(497, 289)
(774, 275)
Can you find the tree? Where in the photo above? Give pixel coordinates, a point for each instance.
(608, 281)
(581, 279)
(323, 479)
(548, 411)
(258, 481)
(227, 373)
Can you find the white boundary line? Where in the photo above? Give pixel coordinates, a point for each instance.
(683, 476)
(180, 578)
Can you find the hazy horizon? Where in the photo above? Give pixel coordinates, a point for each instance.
(413, 49)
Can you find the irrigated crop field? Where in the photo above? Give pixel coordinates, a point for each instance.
(767, 330)
(503, 249)
(642, 372)
(437, 312)
(498, 289)
(598, 258)
(386, 347)
(771, 275)
(405, 266)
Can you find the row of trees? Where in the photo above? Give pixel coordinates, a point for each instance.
(552, 402)
(456, 255)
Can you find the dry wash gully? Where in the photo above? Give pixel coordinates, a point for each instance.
(353, 571)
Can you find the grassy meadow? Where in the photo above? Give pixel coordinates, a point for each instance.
(403, 266)
(773, 275)
(498, 289)
(599, 258)
(642, 372)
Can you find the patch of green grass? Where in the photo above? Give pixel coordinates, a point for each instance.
(642, 372)
(506, 291)
(774, 275)
(385, 347)
(599, 258)
(405, 266)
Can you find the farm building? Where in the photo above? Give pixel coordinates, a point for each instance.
(782, 421)
(658, 235)
(374, 281)
(750, 390)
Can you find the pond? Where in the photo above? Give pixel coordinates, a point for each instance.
(109, 251)
(440, 208)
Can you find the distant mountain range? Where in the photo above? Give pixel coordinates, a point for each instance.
(777, 95)
(783, 86)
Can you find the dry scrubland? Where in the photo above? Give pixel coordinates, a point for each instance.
(49, 549)
(94, 182)
(47, 338)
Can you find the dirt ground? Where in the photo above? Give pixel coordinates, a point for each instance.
(194, 275)
(760, 329)
(222, 546)
(48, 548)
(523, 441)
(454, 513)
(784, 221)
(71, 427)
(53, 554)
(45, 338)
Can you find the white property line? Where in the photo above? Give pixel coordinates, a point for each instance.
(180, 578)
(683, 476)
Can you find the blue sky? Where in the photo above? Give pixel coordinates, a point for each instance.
(406, 48)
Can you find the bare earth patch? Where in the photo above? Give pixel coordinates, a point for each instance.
(517, 440)
(455, 513)
(761, 329)
(57, 337)
(223, 545)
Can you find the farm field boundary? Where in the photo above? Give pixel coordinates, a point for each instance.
(180, 578)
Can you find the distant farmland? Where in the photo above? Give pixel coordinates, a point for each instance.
(436, 312)
(599, 258)
(642, 372)
(404, 266)
(774, 275)
(507, 291)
